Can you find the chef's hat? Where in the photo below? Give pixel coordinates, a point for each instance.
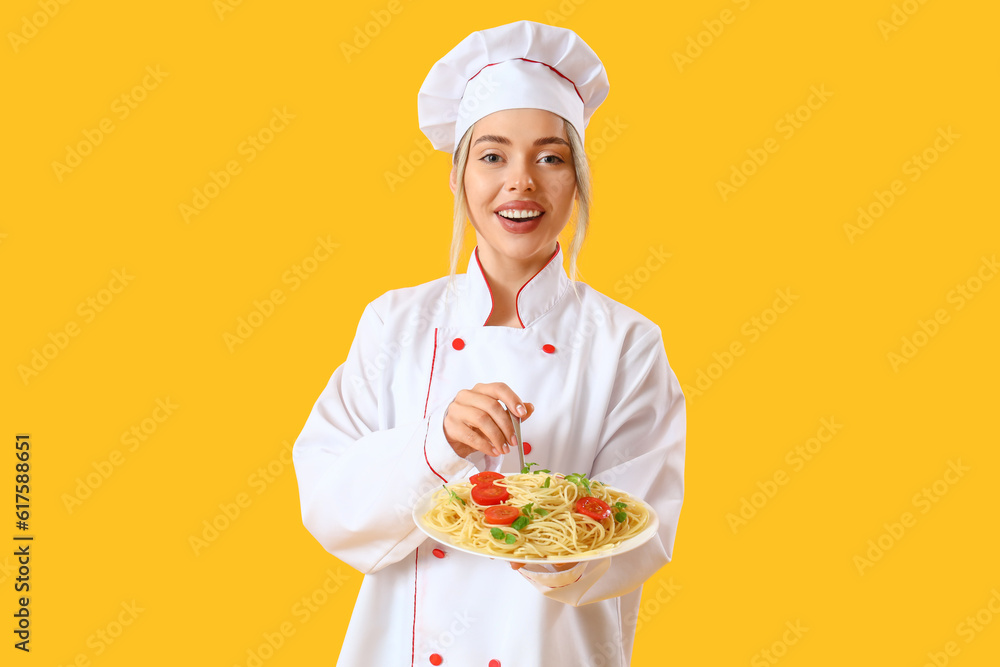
(515, 66)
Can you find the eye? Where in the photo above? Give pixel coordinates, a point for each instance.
(489, 155)
(556, 159)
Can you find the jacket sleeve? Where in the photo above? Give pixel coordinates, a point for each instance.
(358, 482)
(642, 453)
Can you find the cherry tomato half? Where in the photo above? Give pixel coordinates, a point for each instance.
(595, 508)
(487, 477)
(489, 494)
(502, 515)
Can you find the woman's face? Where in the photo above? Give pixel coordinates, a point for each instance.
(520, 164)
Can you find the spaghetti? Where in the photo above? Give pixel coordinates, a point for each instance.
(554, 527)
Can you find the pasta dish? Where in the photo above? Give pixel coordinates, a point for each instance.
(535, 515)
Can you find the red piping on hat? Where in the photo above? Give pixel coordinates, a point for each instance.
(529, 60)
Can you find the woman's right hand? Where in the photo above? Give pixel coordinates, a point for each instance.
(475, 420)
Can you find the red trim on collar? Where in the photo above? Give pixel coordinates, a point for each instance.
(518, 295)
(575, 89)
(483, 272)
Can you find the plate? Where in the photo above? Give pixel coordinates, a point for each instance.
(426, 502)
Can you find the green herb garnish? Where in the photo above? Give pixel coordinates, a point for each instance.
(526, 510)
(547, 481)
(454, 496)
(511, 538)
(496, 533)
(620, 516)
(520, 522)
(621, 505)
(579, 480)
(541, 512)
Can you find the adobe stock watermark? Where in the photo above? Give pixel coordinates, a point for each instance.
(563, 12)
(408, 163)
(752, 329)
(365, 34)
(104, 637)
(786, 126)
(914, 167)
(31, 24)
(654, 601)
(249, 148)
(229, 511)
(899, 16)
(967, 629)
(295, 276)
(926, 330)
(223, 7)
(779, 648)
(133, 438)
(7, 568)
(122, 107)
(634, 280)
(713, 29)
(924, 500)
(59, 340)
(796, 457)
(302, 611)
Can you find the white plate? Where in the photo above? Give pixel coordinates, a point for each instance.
(427, 502)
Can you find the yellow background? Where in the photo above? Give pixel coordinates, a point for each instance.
(671, 134)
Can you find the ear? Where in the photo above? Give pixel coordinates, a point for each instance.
(453, 179)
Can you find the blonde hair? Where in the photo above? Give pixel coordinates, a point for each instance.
(581, 168)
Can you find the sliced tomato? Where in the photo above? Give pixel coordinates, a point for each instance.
(502, 515)
(489, 494)
(595, 508)
(487, 477)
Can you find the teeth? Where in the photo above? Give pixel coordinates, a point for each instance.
(514, 214)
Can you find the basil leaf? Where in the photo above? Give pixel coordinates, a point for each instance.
(520, 522)
(511, 538)
(496, 533)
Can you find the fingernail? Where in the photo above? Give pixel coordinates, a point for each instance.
(521, 411)
(506, 449)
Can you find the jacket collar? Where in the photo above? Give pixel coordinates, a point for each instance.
(535, 298)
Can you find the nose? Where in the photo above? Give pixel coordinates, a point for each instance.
(520, 177)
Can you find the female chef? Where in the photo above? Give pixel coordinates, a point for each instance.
(416, 403)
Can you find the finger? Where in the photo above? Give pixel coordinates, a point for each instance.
(460, 425)
(516, 566)
(501, 391)
(471, 437)
(531, 408)
(499, 425)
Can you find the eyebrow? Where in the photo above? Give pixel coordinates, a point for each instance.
(543, 141)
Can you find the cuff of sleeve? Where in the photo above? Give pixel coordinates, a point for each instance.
(549, 577)
(439, 454)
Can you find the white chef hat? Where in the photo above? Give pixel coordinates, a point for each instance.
(515, 66)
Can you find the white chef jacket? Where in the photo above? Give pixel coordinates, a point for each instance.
(606, 403)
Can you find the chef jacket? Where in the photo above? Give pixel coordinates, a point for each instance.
(607, 404)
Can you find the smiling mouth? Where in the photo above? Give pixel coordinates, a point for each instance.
(518, 215)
